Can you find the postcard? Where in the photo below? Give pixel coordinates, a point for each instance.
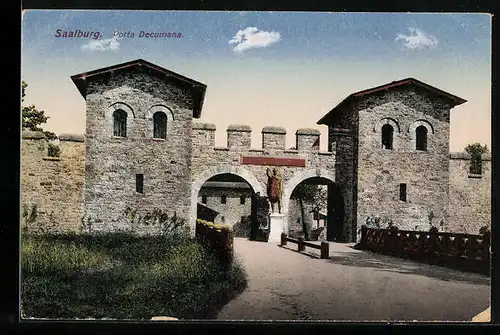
(225, 165)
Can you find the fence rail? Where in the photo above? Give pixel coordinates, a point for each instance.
(301, 245)
(462, 251)
(216, 238)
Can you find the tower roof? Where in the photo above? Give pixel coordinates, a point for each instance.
(81, 79)
(453, 99)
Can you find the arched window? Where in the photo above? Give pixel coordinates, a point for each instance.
(387, 136)
(421, 138)
(160, 125)
(120, 123)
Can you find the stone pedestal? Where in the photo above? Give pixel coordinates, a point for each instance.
(276, 223)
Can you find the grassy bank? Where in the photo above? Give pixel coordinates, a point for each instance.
(122, 276)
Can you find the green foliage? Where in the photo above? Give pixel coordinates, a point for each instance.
(310, 194)
(122, 275)
(484, 230)
(167, 225)
(30, 213)
(476, 150)
(53, 150)
(32, 118)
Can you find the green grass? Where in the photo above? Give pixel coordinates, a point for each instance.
(122, 276)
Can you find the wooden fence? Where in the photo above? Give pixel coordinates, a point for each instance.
(461, 251)
(301, 245)
(216, 238)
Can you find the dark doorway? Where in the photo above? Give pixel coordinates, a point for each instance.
(335, 224)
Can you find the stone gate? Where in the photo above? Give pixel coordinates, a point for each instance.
(388, 156)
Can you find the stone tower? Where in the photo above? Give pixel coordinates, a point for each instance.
(138, 145)
(392, 155)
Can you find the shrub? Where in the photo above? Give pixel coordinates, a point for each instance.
(53, 150)
(484, 230)
(122, 275)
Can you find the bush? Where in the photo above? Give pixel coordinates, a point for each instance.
(53, 150)
(484, 230)
(121, 275)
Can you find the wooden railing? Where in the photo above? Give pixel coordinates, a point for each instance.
(461, 251)
(301, 245)
(216, 238)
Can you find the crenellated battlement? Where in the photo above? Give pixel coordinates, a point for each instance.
(273, 138)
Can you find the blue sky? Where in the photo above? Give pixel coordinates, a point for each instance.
(279, 64)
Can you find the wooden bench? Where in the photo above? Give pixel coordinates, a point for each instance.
(301, 245)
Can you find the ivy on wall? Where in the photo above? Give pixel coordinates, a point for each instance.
(476, 150)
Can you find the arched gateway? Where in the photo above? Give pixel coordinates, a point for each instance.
(132, 165)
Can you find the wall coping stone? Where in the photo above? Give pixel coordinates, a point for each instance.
(204, 126)
(239, 127)
(307, 131)
(72, 137)
(466, 156)
(273, 130)
(33, 135)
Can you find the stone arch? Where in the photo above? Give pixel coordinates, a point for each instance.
(159, 108)
(387, 120)
(418, 123)
(413, 132)
(297, 178)
(130, 116)
(200, 179)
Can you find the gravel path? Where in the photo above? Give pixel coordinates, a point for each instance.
(352, 285)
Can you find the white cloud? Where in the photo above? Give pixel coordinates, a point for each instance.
(102, 45)
(417, 39)
(252, 37)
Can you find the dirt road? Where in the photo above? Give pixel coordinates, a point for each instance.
(352, 285)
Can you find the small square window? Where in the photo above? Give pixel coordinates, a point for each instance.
(402, 192)
(204, 199)
(139, 183)
(242, 200)
(223, 199)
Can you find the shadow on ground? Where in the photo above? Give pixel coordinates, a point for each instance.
(366, 259)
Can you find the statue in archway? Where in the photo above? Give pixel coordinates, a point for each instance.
(274, 188)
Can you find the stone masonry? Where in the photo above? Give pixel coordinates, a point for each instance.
(95, 177)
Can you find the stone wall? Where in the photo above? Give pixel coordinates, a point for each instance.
(232, 211)
(54, 184)
(209, 161)
(113, 162)
(470, 195)
(381, 171)
(343, 140)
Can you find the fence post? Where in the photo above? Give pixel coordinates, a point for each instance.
(325, 250)
(300, 244)
(283, 239)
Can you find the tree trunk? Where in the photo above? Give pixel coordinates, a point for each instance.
(304, 224)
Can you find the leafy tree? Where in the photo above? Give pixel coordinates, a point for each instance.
(311, 194)
(32, 117)
(476, 150)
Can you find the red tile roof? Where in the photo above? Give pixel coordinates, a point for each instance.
(408, 81)
(80, 80)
